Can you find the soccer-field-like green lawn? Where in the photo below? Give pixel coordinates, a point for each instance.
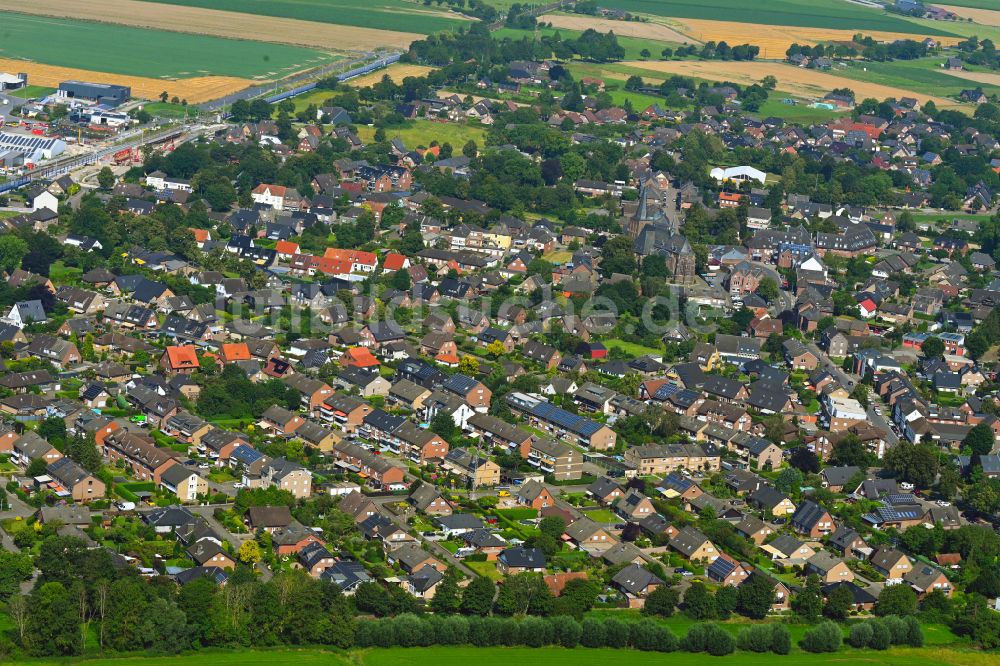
(421, 132)
(839, 14)
(381, 14)
(119, 49)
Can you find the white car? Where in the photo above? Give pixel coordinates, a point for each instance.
(943, 503)
(906, 486)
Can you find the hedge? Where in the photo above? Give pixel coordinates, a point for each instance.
(409, 630)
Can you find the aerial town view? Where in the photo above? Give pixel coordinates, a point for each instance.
(456, 332)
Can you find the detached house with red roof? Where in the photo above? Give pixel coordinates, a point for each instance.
(181, 359)
(394, 262)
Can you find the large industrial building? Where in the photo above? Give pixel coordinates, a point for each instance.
(34, 148)
(102, 93)
(12, 81)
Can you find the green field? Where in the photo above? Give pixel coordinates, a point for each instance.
(120, 49)
(421, 132)
(381, 14)
(838, 14)
(921, 76)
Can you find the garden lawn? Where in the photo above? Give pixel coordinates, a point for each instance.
(518, 514)
(601, 516)
(488, 569)
(631, 348)
(422, 132)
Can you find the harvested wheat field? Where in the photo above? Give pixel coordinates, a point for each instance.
(216, 23)
(655, 31)
(195, 90)
(807, 83)
(774, 40)
(979, 77)
(981, 16)
(397, 72)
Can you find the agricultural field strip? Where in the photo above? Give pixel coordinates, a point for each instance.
(401, 15)
(795, 80)
(119, 49)
(655, 31)
(218, 23)
(983, 16)
(195, 89)
(833, 14)
(774, 40)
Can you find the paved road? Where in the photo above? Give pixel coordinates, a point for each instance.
(436, 549)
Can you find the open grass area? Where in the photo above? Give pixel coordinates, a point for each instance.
(417, 133)
(168, 110)
(631, 348)
(33, 92)
(797, 113)
(149, 53)
(835, 14)
(381, 14)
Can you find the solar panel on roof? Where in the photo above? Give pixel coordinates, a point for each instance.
(666, 391)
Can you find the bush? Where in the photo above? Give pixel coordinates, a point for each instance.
(781, 639)
(651, 636)
(566, 631)
(708, 638)
(616, 634)
(756, 638)
(824, 637)
(860, 636)
(592, 633)
(881, 636)
(897, 629)
(535, 632)
(915, 633)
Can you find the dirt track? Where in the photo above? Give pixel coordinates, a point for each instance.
(217, 23)
(194, 90)
(795, 80)
(655, 31)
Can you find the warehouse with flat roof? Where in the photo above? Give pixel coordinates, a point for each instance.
(102, 93)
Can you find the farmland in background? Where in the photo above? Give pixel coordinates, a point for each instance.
(380, 14)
